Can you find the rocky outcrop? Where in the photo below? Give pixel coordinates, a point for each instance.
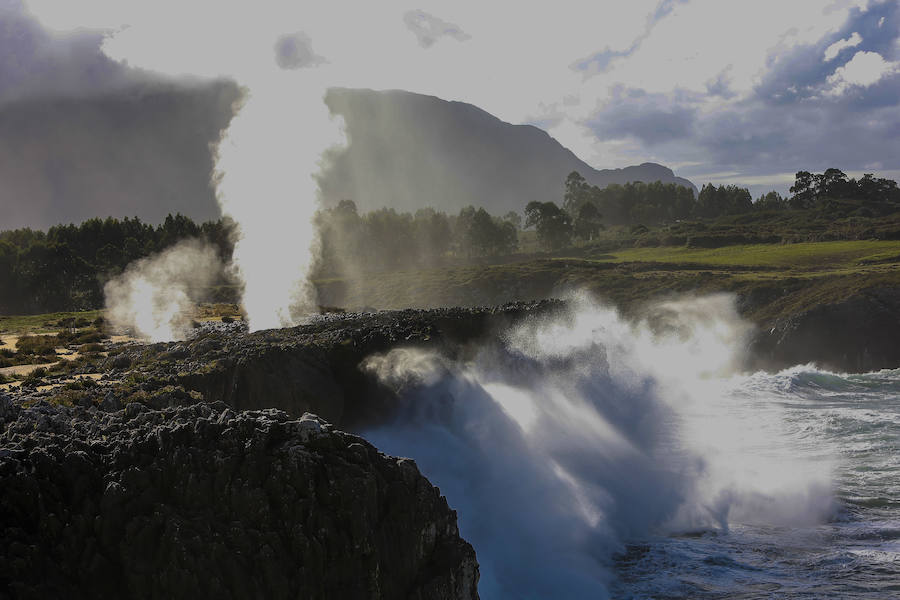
(314, 367)
(860, 333)
(205, 502)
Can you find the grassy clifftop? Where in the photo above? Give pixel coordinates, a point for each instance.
(774, 280)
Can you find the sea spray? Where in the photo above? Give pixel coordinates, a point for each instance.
(154, 296)
(569, 439)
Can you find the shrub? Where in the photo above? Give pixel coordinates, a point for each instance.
(44, 345)
(68, 397)
(89, 337)
(35, 377)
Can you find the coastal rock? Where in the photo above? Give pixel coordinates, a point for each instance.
(856, 335)
(202, 501)
(314, 367)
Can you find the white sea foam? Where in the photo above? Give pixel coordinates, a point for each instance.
(585, 431)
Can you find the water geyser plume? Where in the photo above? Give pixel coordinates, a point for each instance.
(266, 164)
(266, 161)
(155, 296)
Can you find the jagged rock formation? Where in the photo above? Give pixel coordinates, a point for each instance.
(203, 502)
(314, 367)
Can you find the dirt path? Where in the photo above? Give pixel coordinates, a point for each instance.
(23, 369)
(8, 342)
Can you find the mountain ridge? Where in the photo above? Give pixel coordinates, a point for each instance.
(449, 154)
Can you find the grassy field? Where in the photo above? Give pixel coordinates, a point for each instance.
(777, 278)
(50, 322)
(44, 323)
(802, 256)
(789, 277)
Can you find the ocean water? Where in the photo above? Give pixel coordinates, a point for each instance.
(851, 551)
(592, 457)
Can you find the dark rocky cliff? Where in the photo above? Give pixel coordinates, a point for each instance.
(204, 502)
(856, 334)
(315, 367)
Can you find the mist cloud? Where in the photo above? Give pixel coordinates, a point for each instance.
(82, 135)
(35, 62)
(155, 297)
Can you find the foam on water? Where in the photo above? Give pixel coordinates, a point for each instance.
(589, 456)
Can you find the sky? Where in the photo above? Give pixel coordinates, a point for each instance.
(720, 91)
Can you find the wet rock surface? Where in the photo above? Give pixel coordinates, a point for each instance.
(858, 334)
(205, 501)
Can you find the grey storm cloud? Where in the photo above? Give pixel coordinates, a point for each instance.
(295, 51)
(720, 86)
(651, 118)
(82, 135)
(428, 29)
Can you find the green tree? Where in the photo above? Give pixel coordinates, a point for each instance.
(482, 235)
(578, 191)
(803, 190)
(553, 225)
(432, 233)
(587, 222)
(770, 201)
(514, 218)
(833, 184)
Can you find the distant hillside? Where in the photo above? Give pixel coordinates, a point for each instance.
(145, 151)
(409, 150)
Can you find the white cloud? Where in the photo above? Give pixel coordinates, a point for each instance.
(864, 69)
(428, 29)
(832, 51)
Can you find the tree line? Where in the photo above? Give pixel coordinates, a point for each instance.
(657, 203)
(811, 190)
(386, 239)
(66, 267)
